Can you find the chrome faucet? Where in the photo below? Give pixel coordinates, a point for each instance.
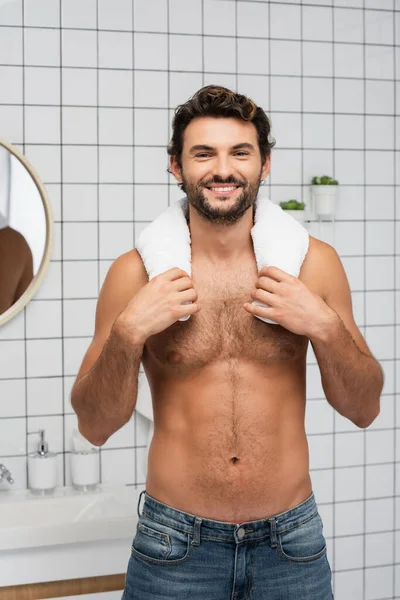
(5, 474)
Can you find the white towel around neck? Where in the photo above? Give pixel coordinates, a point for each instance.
(278, 240)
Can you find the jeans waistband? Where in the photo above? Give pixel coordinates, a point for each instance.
(168, 515)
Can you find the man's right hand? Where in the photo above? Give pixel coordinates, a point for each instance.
(159, 304)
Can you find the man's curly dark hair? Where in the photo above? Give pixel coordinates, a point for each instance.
(218, 101)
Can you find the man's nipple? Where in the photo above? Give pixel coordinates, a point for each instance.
(174, 357)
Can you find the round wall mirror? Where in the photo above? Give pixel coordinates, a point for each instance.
(26, 231)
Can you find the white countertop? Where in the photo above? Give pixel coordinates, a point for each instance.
(68, 535)
(68, 516)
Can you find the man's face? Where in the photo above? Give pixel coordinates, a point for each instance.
(219, 164)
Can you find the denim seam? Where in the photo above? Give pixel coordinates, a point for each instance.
(163, 561)
(298, 523)
(224, 539)
(301, 559)
(165, 523)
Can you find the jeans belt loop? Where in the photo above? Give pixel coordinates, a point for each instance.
(274, 539)
(196, 531)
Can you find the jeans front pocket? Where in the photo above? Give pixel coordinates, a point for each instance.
(160, 544)
(304, 542)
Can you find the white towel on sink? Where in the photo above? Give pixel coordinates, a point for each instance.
(278, 239)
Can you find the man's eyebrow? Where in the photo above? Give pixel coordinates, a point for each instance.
(235, 147)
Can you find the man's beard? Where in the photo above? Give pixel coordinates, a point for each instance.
(221, 212)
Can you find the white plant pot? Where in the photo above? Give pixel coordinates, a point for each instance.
(324, 199)
(296, 214)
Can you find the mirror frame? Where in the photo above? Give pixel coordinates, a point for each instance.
(38, 278)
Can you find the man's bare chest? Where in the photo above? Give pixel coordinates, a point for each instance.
(223, 330)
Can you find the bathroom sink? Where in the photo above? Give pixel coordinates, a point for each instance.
(68, 516)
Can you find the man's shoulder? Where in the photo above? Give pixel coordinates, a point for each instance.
(319, 246)
(130, 266)
(13, 243)
(124, 278)
(317, 263)
(12, 235)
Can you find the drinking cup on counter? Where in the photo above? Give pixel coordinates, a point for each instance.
(85, 469)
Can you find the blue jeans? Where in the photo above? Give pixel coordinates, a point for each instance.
(179, 556)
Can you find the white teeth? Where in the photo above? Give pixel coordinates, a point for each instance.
(223, 189)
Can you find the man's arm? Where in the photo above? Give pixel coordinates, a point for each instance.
(352, 378)
(27, 272)
(105, 391)
(16, 267)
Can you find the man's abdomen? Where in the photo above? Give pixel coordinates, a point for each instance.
(227, 460)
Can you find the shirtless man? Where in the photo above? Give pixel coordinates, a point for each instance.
(16, 267)
(228, 390)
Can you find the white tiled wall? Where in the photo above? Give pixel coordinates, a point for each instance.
(87, 92)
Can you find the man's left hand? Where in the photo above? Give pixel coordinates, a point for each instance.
(291, 303)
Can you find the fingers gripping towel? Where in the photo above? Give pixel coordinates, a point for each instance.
(278, 240)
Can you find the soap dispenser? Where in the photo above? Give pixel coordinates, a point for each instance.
(42, 468)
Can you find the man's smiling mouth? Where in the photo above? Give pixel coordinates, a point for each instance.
(223, 190)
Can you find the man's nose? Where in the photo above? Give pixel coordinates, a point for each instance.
(223, 170)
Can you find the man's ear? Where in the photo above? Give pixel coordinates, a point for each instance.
(266, 167)
(175, 168)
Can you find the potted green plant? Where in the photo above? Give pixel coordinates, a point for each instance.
(324, 193)
(294, 208)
